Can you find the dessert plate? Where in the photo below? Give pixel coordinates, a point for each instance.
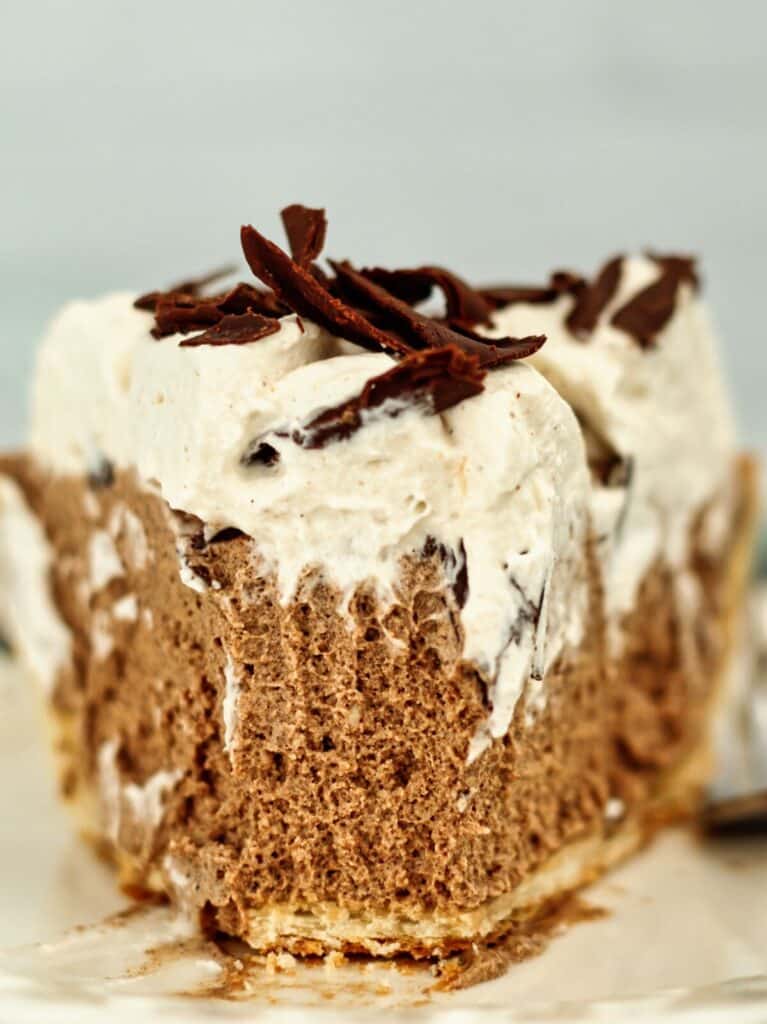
(683, 936)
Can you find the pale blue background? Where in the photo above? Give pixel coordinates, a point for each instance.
(501, 140)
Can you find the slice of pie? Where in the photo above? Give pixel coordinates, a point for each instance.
(370, 624)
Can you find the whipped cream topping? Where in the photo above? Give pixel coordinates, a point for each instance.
(662, 409)
(499, 479)
(28, 615)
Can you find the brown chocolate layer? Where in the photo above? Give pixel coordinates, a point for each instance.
(346, 781)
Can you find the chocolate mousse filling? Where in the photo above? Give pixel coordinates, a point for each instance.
(341, 777)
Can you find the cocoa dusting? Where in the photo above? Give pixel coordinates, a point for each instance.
(487, 960)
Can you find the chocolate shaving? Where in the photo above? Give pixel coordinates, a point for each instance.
(436, 379)
(260, 453)
(235, 329)
(193, 287)
(180, 313)
(591, 298)
(683, 266)
(502, 350)
(306, 295)
(101, 474)
(423, 332)
(229, 533)
(384, 322)
(462, 302)
(408, 285)
(461, 585)
(529, 612)
(306, 230)
(643, 317)
(646, 314)
(612, 470)
(182, 309)
(245, 298)
(455, 565)
(561, 282)
(371, 308)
